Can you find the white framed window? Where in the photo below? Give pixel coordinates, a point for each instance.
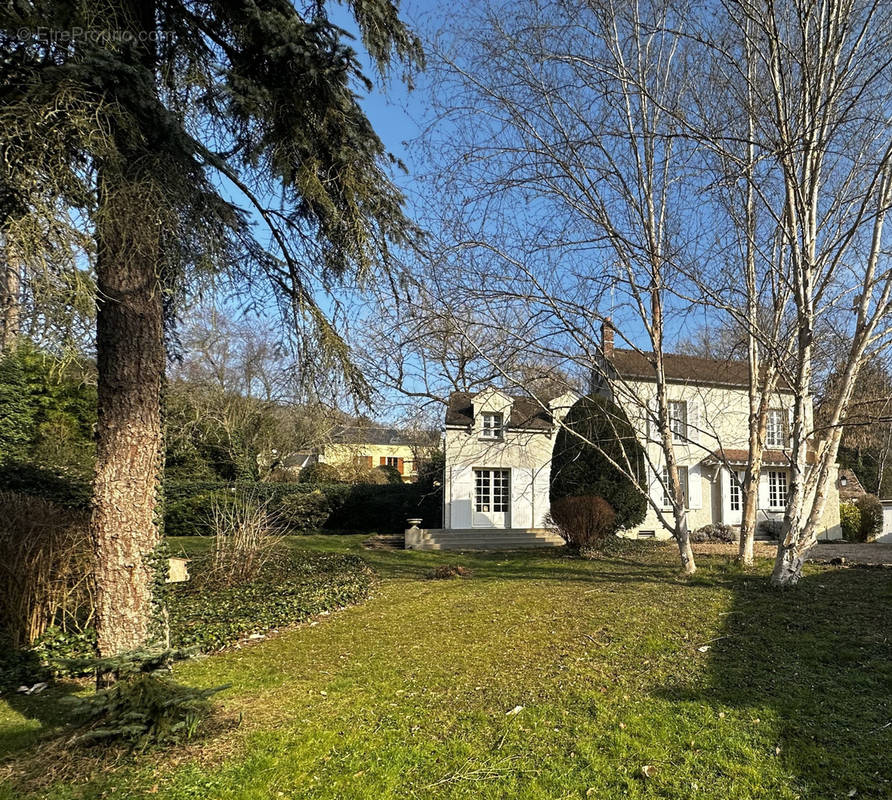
(492, 490)
(775, 434)
(682, 479)
(678, 418)
(736, 497)
(777, 489)
(491, 427)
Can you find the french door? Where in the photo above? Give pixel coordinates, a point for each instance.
(492, 498)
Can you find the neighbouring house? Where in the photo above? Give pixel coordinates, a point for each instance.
(367, 446)
(709, 413)
(498, 451)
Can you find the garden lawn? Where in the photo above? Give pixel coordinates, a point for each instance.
(722, 687)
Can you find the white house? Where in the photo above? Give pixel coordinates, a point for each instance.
(498, 451)
(498, 459)
(709, 415)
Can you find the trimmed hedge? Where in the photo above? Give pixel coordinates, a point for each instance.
(288, 591)
(306, 508)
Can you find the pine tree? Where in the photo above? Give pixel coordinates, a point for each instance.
(139, 122)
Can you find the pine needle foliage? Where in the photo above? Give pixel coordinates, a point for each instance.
(143, 706)
(235, 112)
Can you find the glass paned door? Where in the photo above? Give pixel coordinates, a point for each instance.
(492, 498)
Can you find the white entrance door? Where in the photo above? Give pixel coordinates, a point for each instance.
(734, 498)
(492, 498)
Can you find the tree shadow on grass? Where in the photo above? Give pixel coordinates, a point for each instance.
(47, 709)
(819, 657)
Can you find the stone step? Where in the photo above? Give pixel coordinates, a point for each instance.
(494, 546)
(488, 539)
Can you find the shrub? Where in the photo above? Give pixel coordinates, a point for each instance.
(850, 521)
(287, 590)
(141, 709)
(391, 474)
(62, 488)
(583, 522)
(45, 560)
(871, 510)
(715, 532)
(303, 513)
(769, 528)
(244, 539)
(194, 516)
(319, 473)
(578, 469)
(371, 477)
(448, 571)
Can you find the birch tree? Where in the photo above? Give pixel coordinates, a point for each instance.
(824, 127)
(556, 145)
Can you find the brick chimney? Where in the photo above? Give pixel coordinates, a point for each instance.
(607, 339)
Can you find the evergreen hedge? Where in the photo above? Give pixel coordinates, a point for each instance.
(306, 508)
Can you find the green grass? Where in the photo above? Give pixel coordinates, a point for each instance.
(406, 695)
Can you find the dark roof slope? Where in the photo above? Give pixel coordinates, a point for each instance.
(853, 488)
(525, 412)
(689, 369)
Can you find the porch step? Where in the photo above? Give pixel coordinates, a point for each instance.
(493, 540)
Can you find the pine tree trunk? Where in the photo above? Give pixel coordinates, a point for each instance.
(130, 366)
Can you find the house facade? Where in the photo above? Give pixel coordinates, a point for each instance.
(709, 416)
(498, 460)
(498, 447)
(363, 447)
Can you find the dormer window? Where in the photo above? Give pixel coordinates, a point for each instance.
(491, 427)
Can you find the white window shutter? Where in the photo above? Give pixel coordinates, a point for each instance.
(789, 437)
(650, 412)
(695, 487)
(693, 421)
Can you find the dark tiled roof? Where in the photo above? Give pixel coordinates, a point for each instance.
(689, 369)
(853, 488)
(372, 434)
(525, 412)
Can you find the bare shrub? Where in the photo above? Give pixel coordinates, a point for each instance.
(245, 539)
(46, 564)
(584, 521)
